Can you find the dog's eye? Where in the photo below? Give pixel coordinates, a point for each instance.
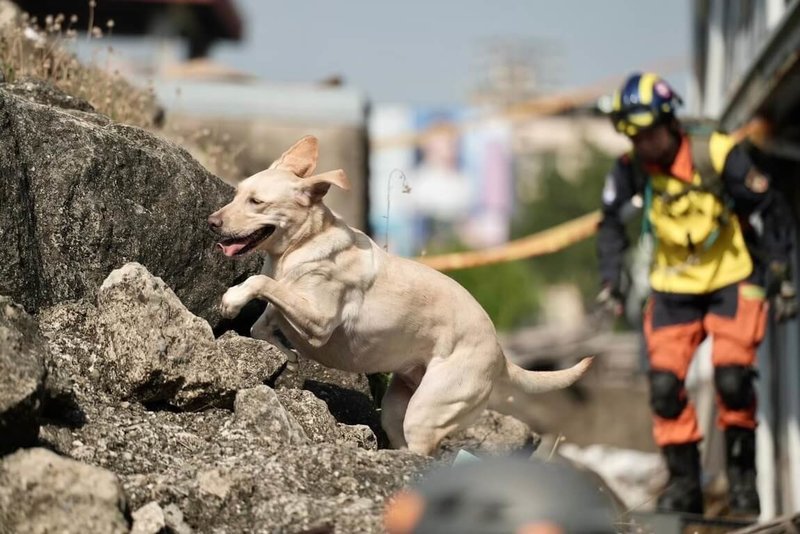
(255, 202)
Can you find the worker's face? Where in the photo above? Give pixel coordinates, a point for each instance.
(656, 145)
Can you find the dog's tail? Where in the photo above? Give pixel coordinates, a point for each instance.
(512, 391)
(531, 382)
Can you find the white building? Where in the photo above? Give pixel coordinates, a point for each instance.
(747, 65)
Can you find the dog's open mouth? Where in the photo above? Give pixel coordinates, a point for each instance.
(238, 245)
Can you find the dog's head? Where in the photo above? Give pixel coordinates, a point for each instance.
(270, 207)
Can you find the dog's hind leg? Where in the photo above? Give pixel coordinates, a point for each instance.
(264, 329)
(452, 395)
(393, 410)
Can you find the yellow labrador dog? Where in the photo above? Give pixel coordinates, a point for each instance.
(344, 302)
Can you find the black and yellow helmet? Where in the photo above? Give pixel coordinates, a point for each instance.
(644, 100)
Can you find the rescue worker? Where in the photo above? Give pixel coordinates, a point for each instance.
(703, 202)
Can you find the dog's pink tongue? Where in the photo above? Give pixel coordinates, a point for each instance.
(231, 250)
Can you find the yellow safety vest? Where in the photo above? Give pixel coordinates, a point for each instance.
(699, 242)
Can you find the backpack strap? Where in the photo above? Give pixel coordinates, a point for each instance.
(710, 176)
(640, 180)
(710, 179)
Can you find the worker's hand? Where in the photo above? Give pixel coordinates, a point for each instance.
(784, 302)
(781, 292)
(610, 300)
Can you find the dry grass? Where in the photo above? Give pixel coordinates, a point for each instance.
(30, 48)
(43, 49)
(217, 151)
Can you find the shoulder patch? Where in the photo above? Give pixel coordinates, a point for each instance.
(756, 182)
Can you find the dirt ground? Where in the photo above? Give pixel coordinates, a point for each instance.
(596, 411)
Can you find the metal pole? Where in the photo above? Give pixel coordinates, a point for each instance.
(775, 11)
(765, 434)
(715, 62)
(790, 412)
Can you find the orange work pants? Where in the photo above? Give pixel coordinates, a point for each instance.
(674, 325)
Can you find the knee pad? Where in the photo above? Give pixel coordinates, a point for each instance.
(734, 385)
(667, 395)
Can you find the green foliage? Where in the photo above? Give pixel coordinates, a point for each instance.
(560, 200)
(511, 292)
(508, 292)
(378, 385)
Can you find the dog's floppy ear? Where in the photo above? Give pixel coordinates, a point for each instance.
(313, 188)
(301, 158)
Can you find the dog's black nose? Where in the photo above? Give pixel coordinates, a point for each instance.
(214, 222)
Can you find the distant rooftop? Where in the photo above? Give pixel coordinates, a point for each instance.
(238, 98)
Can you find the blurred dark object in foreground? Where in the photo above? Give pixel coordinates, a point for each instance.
(499, 496)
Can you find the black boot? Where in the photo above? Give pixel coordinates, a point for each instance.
(683, 492)
(740, 455)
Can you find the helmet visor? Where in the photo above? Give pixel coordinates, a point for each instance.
(632, 121)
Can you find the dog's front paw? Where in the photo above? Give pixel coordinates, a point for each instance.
(234, 300)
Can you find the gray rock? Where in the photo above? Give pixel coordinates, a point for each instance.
(492, 433)
(79, 199)
(43, 492)
(174, 519)
(80, 348)
(306, 373)
(42, 92)
(252, 358)
(320, 426)
(158, 352)
(224, 477)
(347, 395)
(22, 376)
(311, 413)
(299, 488)
(358, 435)
(149, 519)
(77, 350)
(259, 410)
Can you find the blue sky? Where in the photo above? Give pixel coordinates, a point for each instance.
(425, 51)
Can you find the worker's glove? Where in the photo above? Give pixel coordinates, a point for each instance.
(781, 292)
(784, 303)
(610, 300)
